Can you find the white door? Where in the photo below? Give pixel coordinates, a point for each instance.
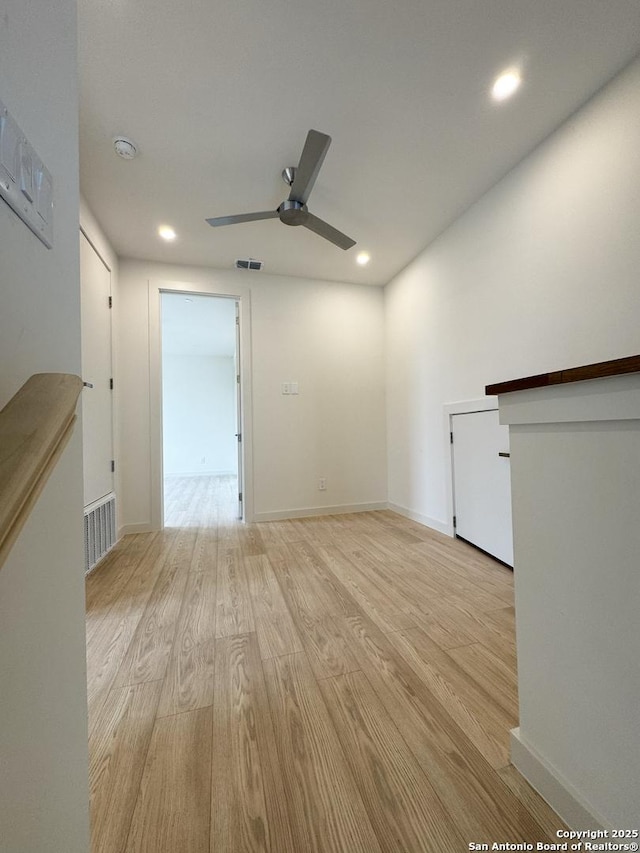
(97, 418)
(239, 412)
(482, 482)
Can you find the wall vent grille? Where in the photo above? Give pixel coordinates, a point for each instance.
(249, 264)
(99, 531)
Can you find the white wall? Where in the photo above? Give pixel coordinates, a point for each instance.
(326, 336)
(199, 414)
(43, 729)
(540, 274)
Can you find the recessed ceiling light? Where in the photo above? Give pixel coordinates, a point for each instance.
(506, 84)
(363, 258)
(167, 233)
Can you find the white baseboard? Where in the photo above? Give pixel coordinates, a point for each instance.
(126, 529)
(307, 512)
(560, 794)
(433, 523)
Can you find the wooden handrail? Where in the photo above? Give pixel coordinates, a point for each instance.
(35, 426)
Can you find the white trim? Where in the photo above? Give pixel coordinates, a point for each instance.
(427, 521)
(306, 512)
(89, 240)
(99, 502)
(561, 796)
(127, 529)
(242, 295)
(462, 407)
(200, 473)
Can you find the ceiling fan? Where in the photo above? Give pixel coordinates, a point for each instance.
(293, 211)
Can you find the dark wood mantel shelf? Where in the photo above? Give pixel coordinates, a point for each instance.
(602, 369)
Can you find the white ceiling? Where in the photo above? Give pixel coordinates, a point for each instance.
(198, 325)
(219, 96)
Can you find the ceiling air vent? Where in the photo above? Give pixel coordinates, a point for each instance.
(249, 264)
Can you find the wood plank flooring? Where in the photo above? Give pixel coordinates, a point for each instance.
(335, 684)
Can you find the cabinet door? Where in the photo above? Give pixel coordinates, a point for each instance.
(97, 414)
(482, 482)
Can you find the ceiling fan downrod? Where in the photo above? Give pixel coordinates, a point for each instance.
(289, 175)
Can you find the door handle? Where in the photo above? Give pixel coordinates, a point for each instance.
(505, 455)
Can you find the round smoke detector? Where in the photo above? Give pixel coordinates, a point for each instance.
(125, 148)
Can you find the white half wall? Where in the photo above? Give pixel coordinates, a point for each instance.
(199, 415)
(575, 455)
(327, 336)
(43, 726)
(540, 274)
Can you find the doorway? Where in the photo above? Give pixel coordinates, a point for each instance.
(201, 409)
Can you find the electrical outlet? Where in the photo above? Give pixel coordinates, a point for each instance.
(286, 387)
(322, 484)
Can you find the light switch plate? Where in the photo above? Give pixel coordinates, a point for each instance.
(25, 182)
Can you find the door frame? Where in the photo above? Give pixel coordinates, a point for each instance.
(242, 296)
(464, 407)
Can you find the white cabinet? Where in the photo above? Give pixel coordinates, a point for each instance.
(481, 482)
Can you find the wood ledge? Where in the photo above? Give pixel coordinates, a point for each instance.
(35, 426)
(599, 370)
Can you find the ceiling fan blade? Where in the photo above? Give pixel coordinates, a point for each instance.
(242, 217)
(323, 229)
(313, 154)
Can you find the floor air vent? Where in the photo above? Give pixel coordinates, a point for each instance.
(99, 531)
(249, 264)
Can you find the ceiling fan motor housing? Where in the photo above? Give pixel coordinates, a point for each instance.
(293, 212)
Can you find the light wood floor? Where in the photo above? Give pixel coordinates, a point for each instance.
(344, 683)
